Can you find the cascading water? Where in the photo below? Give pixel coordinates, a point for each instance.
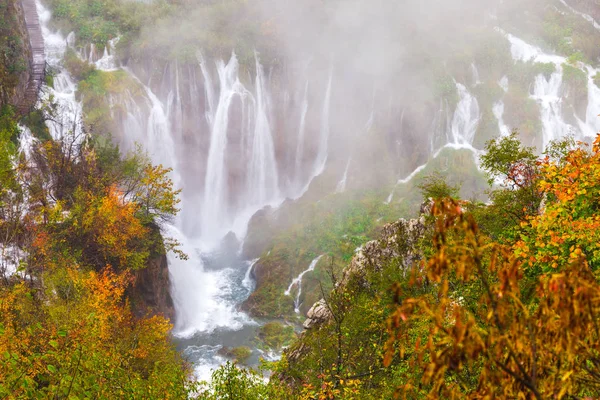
(215, 213)
(548, 93)
(341, 186)
(262, 186)
(466, 118)
(64, 88)
(206, 288)
(300, 141)
(321, 159)
(498, 110)
(475, 75)
(297, 283)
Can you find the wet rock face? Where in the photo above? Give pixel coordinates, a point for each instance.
(13, 89)
(149, 294)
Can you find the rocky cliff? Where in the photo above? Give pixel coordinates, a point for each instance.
(150, 293)
(16, 53)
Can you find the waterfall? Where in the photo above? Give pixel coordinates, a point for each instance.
(63, 92)
(503, 83)
(592, 121)
(297, 282)
(300, 140)
(547, 93)
(466, 117)
(108, 60)
(498, 110)
(475, 75)
(215, 213)
(321, 159)
(262, 186)
(341, 186)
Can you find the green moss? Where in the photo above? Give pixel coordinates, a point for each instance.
(445, 88)
(575, 87)
(546, 69)
(95, 90)
(275, 335)
(575, 77)
(241, 353)
(78, 68)
(523, 112)
(36, 122)
(597, 79)
(95, 21)
(487, 95)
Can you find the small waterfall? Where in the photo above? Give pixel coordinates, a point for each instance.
(300, 141)
(341, 186)
(297, 282)
(475, 75)
(503, 83)
(247, 282)
(262, 173)
(592, 120)
(498, 110)
(321, 159)
(547, 93)
(466, 117)
(108, 60)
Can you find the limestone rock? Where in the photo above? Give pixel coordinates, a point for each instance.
(317, 314)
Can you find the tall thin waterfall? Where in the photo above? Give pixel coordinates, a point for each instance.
(498, 110)
(466, 117)
(300, 141)
(262, 186)
(215, 213)
(321, 159)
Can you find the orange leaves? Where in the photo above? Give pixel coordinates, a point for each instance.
(116, 229)
(524, 334)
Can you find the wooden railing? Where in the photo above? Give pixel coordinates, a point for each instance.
(37, 62)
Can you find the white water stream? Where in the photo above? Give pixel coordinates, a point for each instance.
(63, 92)
(297, 283)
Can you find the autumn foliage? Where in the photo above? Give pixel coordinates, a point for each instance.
(84, 219)
(518, 319)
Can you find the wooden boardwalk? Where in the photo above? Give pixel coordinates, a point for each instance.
(37, 62)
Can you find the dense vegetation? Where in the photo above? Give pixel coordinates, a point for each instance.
(76, 222)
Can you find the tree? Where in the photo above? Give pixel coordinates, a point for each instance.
(506, 343)
(514, 172)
